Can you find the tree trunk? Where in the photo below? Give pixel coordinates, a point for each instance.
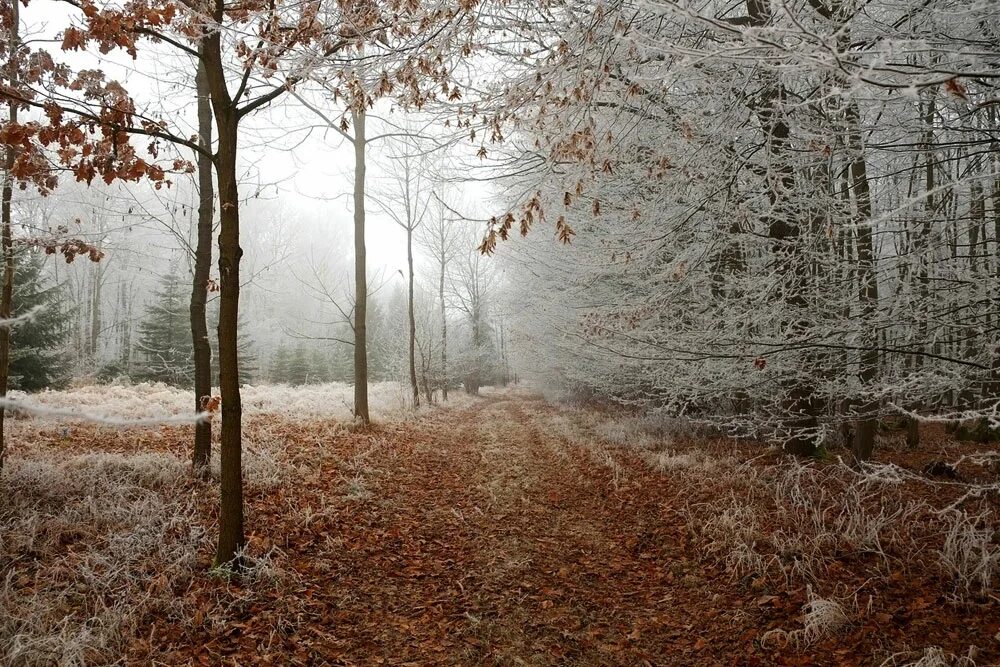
(922, 251)
(199, 289)
(7, 244)
(444, 331)
(799, 401)
(232, 538)
(994, 385)
(360, 274)
(95, 315)
(413, 322)
(864, 435)
(473, 380)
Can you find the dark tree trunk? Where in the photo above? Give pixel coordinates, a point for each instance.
(798, 403)
(360, 274)
(126, 341)
(993, 389)
(199, 288)
(232, 538)
(922, 246)
(7, 245)
(864, 435)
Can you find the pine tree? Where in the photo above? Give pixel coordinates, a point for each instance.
(342, 363)
(248, 369)
(38, 359)
(319, 367)
(299, 367)
(165, 347)
(279, 367)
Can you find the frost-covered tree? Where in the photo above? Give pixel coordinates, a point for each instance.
(778, 212)
(38, 359)
(164, 346)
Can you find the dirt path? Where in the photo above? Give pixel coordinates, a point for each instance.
(490, 535)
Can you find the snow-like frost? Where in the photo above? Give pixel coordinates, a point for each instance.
(156, 400)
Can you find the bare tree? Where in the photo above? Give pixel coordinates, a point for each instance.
(6, 234)
(439, 239)
(474, 281)
(200, 286)
(406, 202)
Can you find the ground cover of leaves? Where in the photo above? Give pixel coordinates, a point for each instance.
(501, 533)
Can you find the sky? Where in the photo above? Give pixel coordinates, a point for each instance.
(287, 153)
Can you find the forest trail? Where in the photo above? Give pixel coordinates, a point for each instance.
(482, 535)
(506, 531)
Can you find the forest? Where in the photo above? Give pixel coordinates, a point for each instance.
(495, 332)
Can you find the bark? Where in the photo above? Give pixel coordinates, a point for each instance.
(413, 321)
(126, 340)
(799, 401)
(864, 435)
(994, 385)
(199, 289)
(922, 247)
(232, 538)
(7, 245)
(95, 315)
(472, 379)
(360, 274)
(444, 330)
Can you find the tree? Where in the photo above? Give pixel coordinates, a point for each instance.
(768, 240)
(360, 272)
(299, 367)
(279, 367)
(164, 336)
(10, 26)
(26, 163)
(407, 203)
(319, 367)
(248, 368)
(438, 239)
(200, 287)
(38, 357)
(292, 42)
(475, 282)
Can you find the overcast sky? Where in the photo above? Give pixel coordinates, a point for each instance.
(286, 152)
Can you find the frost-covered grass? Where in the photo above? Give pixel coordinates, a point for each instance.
(970, 555)
(91, 545)
(821, 618)
(791, 522)
(786, 524)
(334, 400)
(932, 656)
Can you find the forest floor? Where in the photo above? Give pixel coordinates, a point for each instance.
(512, 531)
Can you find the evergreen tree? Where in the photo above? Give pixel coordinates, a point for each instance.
(165, 347)
(38, 358)
(249, 366)
(244, 346)
(319, 367)
(342, 363)
(299, 367)
(279, 367)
